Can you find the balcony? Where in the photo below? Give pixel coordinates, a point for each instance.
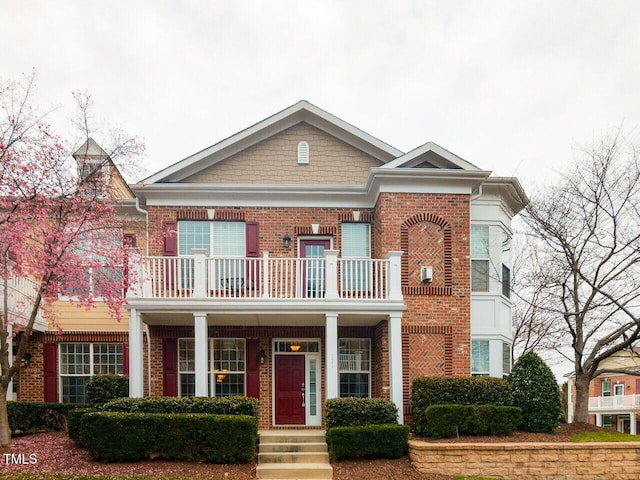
(614, 403)
(303, 279)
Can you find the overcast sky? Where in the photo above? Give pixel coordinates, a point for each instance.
(510, 86)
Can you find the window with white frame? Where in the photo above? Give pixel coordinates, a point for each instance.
(226, 366)
(479, 258)
(506, 359)
(480, 359)
(356, 247)
(354, 362)
(606, 388)
(225, 242)
(80, 361)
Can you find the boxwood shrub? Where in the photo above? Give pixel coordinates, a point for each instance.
(121, 437)
(351, 412)
(236, 405)
(427, 391)
(385, 441)
(452, 420)
(29, 417)
(73, 422)
(104, 388)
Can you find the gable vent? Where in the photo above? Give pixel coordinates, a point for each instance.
(303, 153)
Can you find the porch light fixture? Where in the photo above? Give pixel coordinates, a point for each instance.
(295, 347)
(220, 378)
(261, 357)
(286, 240)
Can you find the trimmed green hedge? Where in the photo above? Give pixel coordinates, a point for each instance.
(73, 422)
(122, 437)
(29, 417)
(427, 391)
(452, 420)
(104, 388)
(235, 405)
(385, 441)
(352, 412)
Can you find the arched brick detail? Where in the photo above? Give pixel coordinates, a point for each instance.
(448, 255)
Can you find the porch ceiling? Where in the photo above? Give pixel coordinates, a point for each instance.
(274, 319)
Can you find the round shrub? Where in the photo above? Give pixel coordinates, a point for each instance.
(104, 388)
(534, 389)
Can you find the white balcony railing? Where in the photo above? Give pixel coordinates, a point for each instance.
(615, 402)
(199, 276)
(20, 297)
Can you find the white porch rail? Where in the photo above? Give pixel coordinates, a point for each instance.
(615, 402)
(20, 294)
(266, 277)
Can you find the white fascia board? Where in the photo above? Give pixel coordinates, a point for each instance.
(302, 111)
(406, 159)
(380, 180)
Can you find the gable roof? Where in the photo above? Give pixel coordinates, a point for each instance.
(302, 111)
(434, 155)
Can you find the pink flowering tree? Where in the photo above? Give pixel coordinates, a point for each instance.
(59, 229)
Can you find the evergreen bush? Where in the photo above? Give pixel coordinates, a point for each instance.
(30, 417)
(534, 389)
(235, 405)
(104, 388)
(351, 412)
(381, 441)
(442, 421)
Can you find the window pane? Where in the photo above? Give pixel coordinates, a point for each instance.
(356, 240)
(354, 354)
(480, 275)
(480, 357)
(228, 355)
(229, 239)
(354, 385)
(506, 281)
(186, 355)
(107, 359)
(506, 359)
(187, 384)
(229, 384)
(193, 235)
(73, 389)
(479, 241)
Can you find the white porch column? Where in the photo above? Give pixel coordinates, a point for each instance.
(331, 275)
(199, 272)
(632, 423)
(10, 394)
(395, 362)
(570, 400)
(201, 354)
(598, 419)
(394, 280)
(136, 367)
(331, 357)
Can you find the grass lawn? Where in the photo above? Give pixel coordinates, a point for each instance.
(604, 437)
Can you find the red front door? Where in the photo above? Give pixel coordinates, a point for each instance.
(289, 372)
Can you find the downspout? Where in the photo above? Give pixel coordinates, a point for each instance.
(146, 216)
(476, 195)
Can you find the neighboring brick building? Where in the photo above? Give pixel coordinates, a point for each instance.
(614, 398)
(303, 259)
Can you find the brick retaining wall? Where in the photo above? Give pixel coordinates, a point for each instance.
(530, 461)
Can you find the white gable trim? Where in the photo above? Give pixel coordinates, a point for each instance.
(302, 111)
(412, 158)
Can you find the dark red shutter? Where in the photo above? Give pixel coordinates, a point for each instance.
(125, 359)
(50, 355)
(170, 367)
(253, 368)
(253, 251)
(170, 238)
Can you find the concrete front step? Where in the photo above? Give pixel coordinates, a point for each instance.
(293, 454)
(298, 471)
(292, 447)
(292, 457)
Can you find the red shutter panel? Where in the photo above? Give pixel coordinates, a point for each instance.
(253, 368)
(125, 359)
(253, 251)
(50, 356)
(170, 238)
(170, 364)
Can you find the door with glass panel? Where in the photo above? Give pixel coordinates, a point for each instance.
(312, 278)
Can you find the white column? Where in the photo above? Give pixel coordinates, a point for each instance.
(10, 394)
(394, 279)
(598, 419)
(266, 287)
(136, 366)
(570, 400)
(632, 421)
(201, 354)
(199, 272)
(331, 357)
(331, 274)
(395, 362)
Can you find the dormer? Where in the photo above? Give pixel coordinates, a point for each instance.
(93, 168)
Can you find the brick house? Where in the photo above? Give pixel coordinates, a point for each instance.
(298, 260)
(614, 398)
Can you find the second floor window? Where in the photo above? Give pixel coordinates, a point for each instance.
(356, 245)
(479, 258)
